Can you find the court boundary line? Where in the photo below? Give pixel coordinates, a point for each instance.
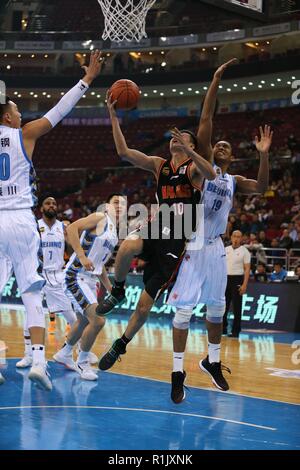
(142, 410)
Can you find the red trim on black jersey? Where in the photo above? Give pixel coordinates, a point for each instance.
(176, 169)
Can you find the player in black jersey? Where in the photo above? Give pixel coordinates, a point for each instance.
(178, 184)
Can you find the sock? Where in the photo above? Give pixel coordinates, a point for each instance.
(125, 340)
(67, 348)
(178, 361)
(83, 356)
(214, 352)
(119, 285)
(38, 354)
(28, 347)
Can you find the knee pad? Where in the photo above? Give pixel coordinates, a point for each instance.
(182, 318)
(34, 310)
(215, 313)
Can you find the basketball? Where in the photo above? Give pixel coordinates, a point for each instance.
(127, 94)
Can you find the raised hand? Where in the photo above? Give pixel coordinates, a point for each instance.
(176, 134)
(94, 68)
(264, 143)
(111, 104)
(219, 72)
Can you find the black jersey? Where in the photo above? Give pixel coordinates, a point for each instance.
(176, 190)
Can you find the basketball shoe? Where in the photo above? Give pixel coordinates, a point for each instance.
(112, 355)
(214, 370)
(178, 392)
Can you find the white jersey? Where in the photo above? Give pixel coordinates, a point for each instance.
(98, 248)
(217, 198)
(53, 245)
(17, 175)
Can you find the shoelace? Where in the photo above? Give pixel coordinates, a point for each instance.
(225, 368)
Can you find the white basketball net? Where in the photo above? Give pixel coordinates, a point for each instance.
(125, 20)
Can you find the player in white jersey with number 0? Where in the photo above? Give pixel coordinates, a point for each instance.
(202, 276)
(19, 237)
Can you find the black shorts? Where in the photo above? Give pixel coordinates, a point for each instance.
(163, 258)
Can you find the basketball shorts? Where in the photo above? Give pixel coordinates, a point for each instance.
(162, 260)
(56, 298)
(202, 277)
(5, 272)
(20, 241)
(81, 289)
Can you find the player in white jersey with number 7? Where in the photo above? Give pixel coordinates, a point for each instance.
(202, 276)
(19, 237)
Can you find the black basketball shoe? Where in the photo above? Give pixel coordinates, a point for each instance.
(112, 355)
(178, 392)
(214, 370)
(105, 306)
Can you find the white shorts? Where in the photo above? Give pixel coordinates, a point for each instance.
(202, 277)
(56, 298)
(81, 289)
(5, 272)
(20, 241)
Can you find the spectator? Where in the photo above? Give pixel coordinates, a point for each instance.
(68, 212)
(260, 274)
(285, 241)
(263, 239)
(297, 272)
(249, 206)
(256, 225)
(279, 274)
(244, 227)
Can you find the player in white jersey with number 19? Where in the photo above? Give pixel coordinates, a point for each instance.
(19, 237)
(202, 276)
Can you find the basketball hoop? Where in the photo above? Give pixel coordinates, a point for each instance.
(125, 20)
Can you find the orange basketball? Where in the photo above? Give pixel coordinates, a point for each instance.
(127, 94)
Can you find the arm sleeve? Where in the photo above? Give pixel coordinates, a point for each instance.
(67, 103)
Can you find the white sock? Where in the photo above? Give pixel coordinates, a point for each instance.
(67, 348)
(83, 356)
(28, 347)
(178, 361)
(38, 354)
(214, 352)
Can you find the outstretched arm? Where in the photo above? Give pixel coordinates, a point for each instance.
(204, 134)
(137, 158)
(35, 129)
(247, 186)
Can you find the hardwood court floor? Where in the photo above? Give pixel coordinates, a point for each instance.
(252, 358)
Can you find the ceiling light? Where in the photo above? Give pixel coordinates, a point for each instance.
(174, 90)
(48, 96)
(8, 67)
(162, 94)
(162, 52)
(44, 93)
(259, 86)
(250, 83)
(19, 95)
(5, 55)
(214, 48)
(154, 91)
(98, 96)
(19, 55)
(190, 89)
(203, 49)
(263, 82)
(150, 53)
(278, 79)
(289, 83)
(163, 64)
(32, 56)
(146, 94)
(220, 86)
(16, 93)
(235, 85)
(181, 92)
(62, 93)
(35, 96)
(163, 38)
(205, 88)
(244, 88)
(93, 93)
(272, 84)
(293, 78)
(83, 96)
(46, 56)
(228, 89)
(31, 93)
(197, 92)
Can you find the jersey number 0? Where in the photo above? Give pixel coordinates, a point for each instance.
(4, 167)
